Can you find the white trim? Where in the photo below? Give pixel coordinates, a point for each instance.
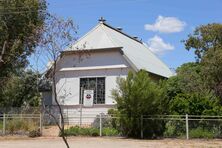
(93, 67)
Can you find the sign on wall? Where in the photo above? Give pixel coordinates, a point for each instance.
(88, 98)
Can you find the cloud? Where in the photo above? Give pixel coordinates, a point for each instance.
(166, 25)
(158, 46)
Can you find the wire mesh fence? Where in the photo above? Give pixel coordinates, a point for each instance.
(166, 126)
(20, 124)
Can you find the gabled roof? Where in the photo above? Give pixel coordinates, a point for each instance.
(103, 36)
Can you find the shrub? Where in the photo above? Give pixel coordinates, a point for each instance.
(34, 133)
(201, 133)
(93, 132)
(15, 125)
(135, 96)
(175, 128)
(110, 132)
(90, 131)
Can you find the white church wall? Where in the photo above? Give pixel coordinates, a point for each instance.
(68, 82)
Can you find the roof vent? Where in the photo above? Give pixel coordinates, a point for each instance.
(135, 37)
(119, 28)
(102, 20)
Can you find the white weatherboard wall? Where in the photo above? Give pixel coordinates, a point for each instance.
(108, 64)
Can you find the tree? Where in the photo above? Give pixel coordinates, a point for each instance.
(19, 22)
(135, 96)
(204, 38)
(207, 42)
(20, 25)
(20, 90)
(59, 34)
(187, 80)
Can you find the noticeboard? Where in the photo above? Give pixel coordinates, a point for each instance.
(88, 98)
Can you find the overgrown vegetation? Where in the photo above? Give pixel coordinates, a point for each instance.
(138, 95)
(90, 131)
(195, 90)
(19, 125)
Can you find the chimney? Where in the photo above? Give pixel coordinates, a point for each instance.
(102, 20)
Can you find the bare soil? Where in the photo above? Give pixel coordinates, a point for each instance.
(104, 142)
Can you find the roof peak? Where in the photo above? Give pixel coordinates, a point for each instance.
(102, 19)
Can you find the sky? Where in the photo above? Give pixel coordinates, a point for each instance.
(161, 24)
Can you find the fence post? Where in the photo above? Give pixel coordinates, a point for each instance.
(4, 124)
(100, 124)
(40, 123)
(141, 125)
(60, 120)
(187, 127)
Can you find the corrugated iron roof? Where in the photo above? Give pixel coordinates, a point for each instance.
(105, 36)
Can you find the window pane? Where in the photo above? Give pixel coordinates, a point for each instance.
(96, 84)
(100, 90)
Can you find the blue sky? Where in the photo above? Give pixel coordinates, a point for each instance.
(177, 18)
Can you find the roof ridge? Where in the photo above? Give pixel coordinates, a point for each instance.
(121, 32)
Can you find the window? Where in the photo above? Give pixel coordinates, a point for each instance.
(96, 84)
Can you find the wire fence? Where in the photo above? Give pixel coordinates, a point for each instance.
(20, 124)
(170, 126)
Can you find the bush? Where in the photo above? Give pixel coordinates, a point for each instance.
(90, 131)
(175, 128)
(139, 95)
(110, 132)
(16, 125)
(34, 133)
(201, 133)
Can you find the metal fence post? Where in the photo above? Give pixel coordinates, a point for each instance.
(187, 127)
(40, 122)
(141, 125)
(100, 124)
(4, 124)
(60, 120)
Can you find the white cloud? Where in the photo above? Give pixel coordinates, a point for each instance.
(166, 25)
(158, 46)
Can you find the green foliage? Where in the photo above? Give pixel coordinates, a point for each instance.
(175, 128)
(90, 131)
(18, 125)
(207, 42)
(204, 103)
(138, 95)
(204, 38)
(20, 25)
(211, 69)
(110, 132)
(20, 90)
(21, 22)
(201, 133)
(78, 131)
(187, 80)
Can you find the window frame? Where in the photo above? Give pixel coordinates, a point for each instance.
(95, 100)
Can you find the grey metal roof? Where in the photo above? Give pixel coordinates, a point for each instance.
(105, 36)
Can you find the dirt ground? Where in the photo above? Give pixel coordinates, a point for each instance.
(104, 142)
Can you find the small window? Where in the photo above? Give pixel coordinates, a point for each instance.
(96, 84)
